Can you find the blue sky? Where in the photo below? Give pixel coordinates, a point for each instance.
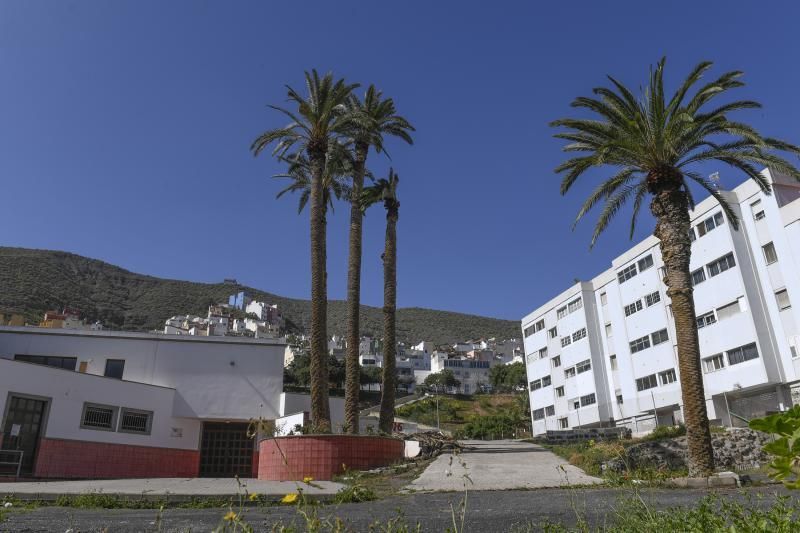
(125, 127)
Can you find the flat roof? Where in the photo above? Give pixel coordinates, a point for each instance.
(34, 330)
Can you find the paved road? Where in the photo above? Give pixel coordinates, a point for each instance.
(500, 465)
(168, 488)
(489, 511)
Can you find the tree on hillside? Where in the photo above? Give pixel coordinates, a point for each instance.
(385, 190)
(654, 144)
(507, 378)
(316, 126)
(441, 381)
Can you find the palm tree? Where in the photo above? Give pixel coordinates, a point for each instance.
(371, 119)
(653, 144)
(318, 121)
(385, 190)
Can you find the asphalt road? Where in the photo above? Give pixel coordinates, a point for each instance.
(487, 511)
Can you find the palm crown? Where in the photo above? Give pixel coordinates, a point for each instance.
(383, 190)
(370, 119)
(654, 142)
(338, 167)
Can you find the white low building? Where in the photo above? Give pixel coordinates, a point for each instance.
(603, 353)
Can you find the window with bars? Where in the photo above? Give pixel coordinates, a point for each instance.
(578, 335)
(642, 343)
(633, 307)
(569, 372)
(566, 341)
(135, 421)
(647, 382)
(536, 384)
(550, 410)
(626, 273)
(575, 304)
(645, 262)
(660, 336)
(698, 276)
(742, 354)
(538, 414)
(562, 312)
(563, 423)
(652, 299)
(589, 399)
(667, 376)
(722, 264)
(102, 417)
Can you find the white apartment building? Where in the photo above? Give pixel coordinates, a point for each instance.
(602, 353)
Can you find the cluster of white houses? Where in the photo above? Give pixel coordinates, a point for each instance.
(602, 353)
(261, 320)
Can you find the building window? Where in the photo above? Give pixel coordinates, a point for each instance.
(727, 311)
(546, 381)
(578, 335)
(562, 312)
(553, 333)
(609, 330)
(556, 361)
(535, 328)
(575, 403)
(645, 262)
(583, 366)
(543, 352)
(652, 299)
(574, 305)
(647, 382)
(536, 384)
(531, 358)
(613, 359)
(742, 354)
(782, 296)
(560, 392)
(758, 213)
(793, 350)
(102, 417)
(698, 277)
(710, 223)
(563, 423)
(632, 308)
(713, 363)
(135, 421)
(706, 319)
(569, 372)
(667, 376)
(67, 363)
(721, 265)
(692, 235)
(566, 341)
(538, 414)
(603, 298)
(550, 410)
(769, 253)
(114, 368)
(589, 399)
(640, 344)
(660, 336)
(626, 273)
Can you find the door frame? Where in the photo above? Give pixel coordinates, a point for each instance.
(45, 418)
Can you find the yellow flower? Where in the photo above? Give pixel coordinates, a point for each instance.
(254, 497)
(230, 516)
(289, 498)
(308, 479)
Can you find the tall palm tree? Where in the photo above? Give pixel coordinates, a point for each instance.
(319, 120)
(653, 144)
(371, 119)
(385, 190)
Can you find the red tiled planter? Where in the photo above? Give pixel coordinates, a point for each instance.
(323, 456)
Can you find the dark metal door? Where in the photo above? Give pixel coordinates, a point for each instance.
(23, 428)
(225, 450)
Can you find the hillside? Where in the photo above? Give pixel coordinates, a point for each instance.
(34, 281)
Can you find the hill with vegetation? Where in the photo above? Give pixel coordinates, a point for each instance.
(35, 281)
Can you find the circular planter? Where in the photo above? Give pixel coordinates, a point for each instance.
(321, 457)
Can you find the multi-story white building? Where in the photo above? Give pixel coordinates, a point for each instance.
(603, 352)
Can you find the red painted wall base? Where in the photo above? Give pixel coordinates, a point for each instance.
(323, 456)
(60, 458)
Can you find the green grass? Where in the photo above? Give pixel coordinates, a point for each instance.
(456, 412)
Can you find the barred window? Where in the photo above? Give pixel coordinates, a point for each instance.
(742, 354)
(96, 416)
(538, 414)
(721, 265)
(563, 423)
(135, 421)
(583, 366)
(569, 372)
(536, 384)
(578, 335)
(660, 336)
(706, 319)
(574, 305)
(626, 273)
(668, 376)
(645, 263)
(647, 382)
(562, 312)
(550, 410)
(566, 341)
(652, 299)
(713, 363)
(589, 399)
(640, 344)
(632, 308)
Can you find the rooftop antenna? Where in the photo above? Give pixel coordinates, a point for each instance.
(715, 180)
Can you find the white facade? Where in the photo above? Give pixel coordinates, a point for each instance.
(624, 368)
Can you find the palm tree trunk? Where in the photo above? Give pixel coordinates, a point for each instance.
(354, 293)
(320, 408)
(671, 209)
(389, 305)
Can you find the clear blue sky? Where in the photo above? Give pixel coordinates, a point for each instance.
(125, 127)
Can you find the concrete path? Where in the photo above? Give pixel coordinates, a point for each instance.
(172, 489)
(499, 465)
